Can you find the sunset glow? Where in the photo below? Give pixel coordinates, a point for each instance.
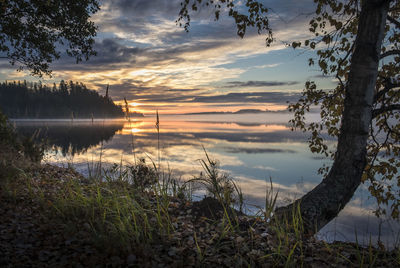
(156, 65)
(146, 58)
(134, 104)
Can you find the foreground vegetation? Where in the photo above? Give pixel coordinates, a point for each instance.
(139, 216)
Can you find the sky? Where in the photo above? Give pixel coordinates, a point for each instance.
(147, 58)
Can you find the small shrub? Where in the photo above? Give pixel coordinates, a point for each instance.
(19, 143)
(7, 133)
(219, 185)
(142, 175)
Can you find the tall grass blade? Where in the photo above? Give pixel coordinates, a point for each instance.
(128, 117)
(158, 137)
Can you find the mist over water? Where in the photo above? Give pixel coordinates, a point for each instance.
(252, 148)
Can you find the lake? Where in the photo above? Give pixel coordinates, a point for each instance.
(252, 148)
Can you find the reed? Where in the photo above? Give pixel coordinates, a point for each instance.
(128, 117)
(219, 185)
(158, 137)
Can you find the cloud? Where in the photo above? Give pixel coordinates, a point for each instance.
(145, 56)
(198, 96)
(266, 66)
(250, 97)
(259, 83)
(112, 54)
(144, 93)
(237, 150)
(112, 51)
(323, 76)
(139, 35)
(145, 8)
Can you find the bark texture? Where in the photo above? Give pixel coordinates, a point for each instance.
(323, 203)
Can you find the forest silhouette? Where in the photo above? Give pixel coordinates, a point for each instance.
(67, 100)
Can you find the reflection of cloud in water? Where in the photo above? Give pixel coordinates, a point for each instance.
(278, 136)
(180, 154)
(265, 126)
(354, 222)
(265, 168)
(255, 190)
(269, 118)
(249, 152)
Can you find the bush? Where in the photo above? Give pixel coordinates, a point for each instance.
(7, 133)
(18, 143)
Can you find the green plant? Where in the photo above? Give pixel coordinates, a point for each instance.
(7, 132)
(288, 232)
(219, 185)
(128, 117)
(158, 137)
(270, 201)
(119, 214)
(18, 144)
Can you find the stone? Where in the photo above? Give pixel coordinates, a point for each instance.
(264, 235)
(131, 259)
(239, 239)
(172, 251)
(190, 240)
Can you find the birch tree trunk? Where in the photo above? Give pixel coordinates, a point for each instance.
(323, 203)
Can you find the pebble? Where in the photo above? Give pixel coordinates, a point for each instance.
(264, 235)
(131, 259)
(190, 241)
(309, 259)
(87, 226)
(255, 252)
(44, 255)
(239, 239)
(115, 260)
(172, 251)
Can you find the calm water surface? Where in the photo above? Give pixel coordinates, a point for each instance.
(252, 148)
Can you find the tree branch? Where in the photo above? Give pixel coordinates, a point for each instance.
(388, 86)
(394, 21)
(385, 109)
(390, 53)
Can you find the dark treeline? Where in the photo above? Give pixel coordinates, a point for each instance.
(34, 100)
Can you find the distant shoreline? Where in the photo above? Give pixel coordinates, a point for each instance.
(243, 111)
(67, 119)
(74, 119)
